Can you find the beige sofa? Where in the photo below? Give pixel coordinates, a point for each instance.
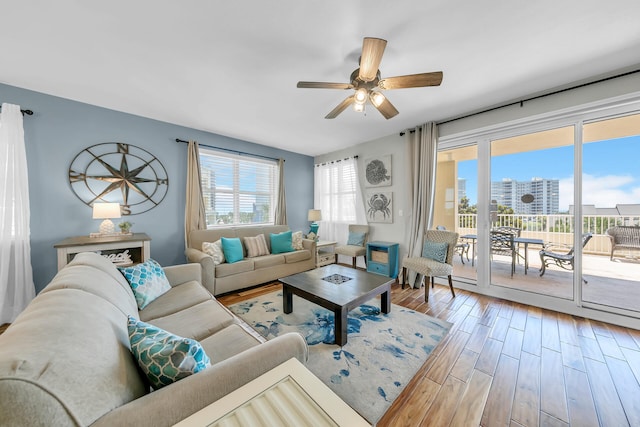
(66, 359)
(225, 277)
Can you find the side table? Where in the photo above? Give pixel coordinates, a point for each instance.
(287, 395)
(135, 246)
(325, 253)
(382, 258)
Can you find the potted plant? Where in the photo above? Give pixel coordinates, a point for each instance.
(125, 227)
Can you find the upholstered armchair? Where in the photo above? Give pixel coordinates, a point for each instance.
(356, 244)
(436, 260)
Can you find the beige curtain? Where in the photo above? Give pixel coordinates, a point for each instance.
(421, 184)
(194, 216)
(281, 204)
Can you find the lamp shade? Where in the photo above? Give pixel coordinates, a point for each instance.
(106, 210)
(314, 215)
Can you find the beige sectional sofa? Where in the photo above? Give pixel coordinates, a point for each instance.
(225, 277)
(66, 360)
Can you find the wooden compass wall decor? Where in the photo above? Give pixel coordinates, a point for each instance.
(118, 172)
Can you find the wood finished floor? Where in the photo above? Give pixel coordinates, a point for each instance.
(509, 364)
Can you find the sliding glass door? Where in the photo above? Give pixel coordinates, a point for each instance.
(531, 210)
(611, 213)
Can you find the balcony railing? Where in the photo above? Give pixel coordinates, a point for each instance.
(555, 228)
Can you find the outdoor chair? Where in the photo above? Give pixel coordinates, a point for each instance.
(430, 267)
(502, 244)
(354, 250)
(462, 248)
(562, 260)
(624, 237)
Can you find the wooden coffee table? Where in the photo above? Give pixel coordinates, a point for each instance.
(339, 289)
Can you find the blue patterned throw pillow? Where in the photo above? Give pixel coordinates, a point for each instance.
(147, 280)
(435, 251)
(165, 358)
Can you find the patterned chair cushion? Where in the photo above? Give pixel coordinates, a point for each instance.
(356, 239)
(427, 266)
(164, 358)
(147, 280)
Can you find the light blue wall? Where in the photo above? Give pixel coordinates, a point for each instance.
(60, 128)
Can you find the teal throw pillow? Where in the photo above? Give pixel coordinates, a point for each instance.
(356, 239)
(164, 357)
(147, 280)
(281, 242)
(232, 248)
(435, 251)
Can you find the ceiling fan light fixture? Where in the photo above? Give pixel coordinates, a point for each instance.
(376, 98)
(360, 96)
(358, 107)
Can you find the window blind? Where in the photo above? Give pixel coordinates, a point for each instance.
(237, 189)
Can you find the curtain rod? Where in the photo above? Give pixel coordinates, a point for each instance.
(522, 101)
(335, 161)
(241, 153)
(27, 112)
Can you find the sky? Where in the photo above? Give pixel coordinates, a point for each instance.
(611, 171)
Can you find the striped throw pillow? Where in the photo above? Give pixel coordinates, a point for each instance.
(256, 246)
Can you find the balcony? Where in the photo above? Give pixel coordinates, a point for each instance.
(612, 283)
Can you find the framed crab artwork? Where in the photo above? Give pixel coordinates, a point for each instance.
(378, 171)
(380, 206)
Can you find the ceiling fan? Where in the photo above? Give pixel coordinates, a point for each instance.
(368, 85)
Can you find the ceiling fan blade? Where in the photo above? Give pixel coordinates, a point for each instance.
(372, 50)
(340, 108)
(412, 80)
(324, 85)
(383, 105)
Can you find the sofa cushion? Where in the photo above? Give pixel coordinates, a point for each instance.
(297, 256)
(281, 242)
(178, 298)
(228, 342)
(70, 349)
(232, 248)
(214, 249)
(268, 261)
(256, 246)
(224, 270)
(196, 322)
(147, 281)
(164, 357)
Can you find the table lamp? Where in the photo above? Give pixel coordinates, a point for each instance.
(106, 211)
(314, 215)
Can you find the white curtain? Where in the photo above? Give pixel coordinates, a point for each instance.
(339, 197)
(16, 276)
(421, 175)
(194, 212)
(281, 203)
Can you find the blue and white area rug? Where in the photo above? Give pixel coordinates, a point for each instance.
(382, 354)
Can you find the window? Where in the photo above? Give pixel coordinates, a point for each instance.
(238, 189)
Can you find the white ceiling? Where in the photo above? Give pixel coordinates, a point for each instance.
(231, 67)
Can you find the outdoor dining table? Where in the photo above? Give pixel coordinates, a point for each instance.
(525, 241)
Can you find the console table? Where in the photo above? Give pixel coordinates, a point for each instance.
(287, 395)
(137, 244)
